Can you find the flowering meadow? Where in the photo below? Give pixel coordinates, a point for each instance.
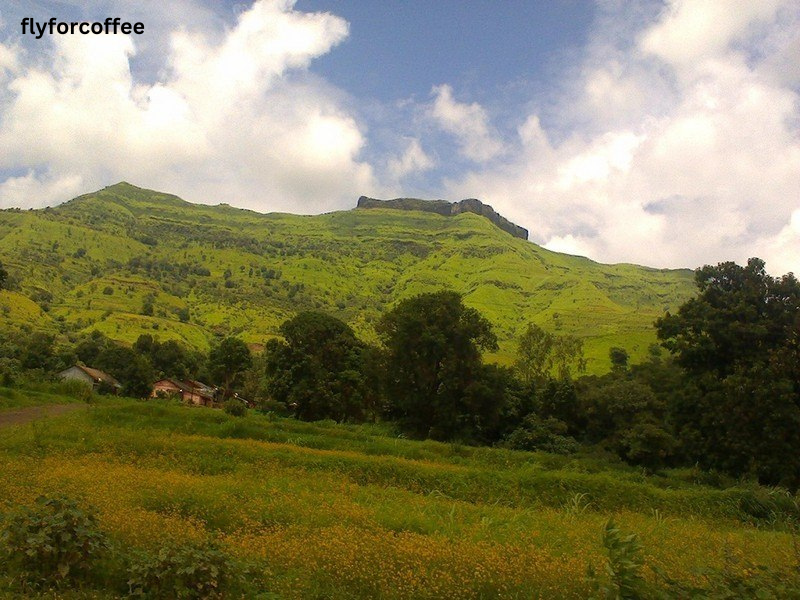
(330, 511)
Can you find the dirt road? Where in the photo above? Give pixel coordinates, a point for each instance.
(19, 416)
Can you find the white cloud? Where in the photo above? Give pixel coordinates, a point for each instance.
(233, 116)
(691, 30)
(683, 152)
(413, 160)
(468, 123)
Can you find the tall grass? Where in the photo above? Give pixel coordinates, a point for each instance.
(321, 510)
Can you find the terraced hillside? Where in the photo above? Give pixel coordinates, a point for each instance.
(127, 261)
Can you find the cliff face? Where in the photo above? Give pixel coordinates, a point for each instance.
(445, 208)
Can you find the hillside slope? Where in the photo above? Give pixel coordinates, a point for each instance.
(128, 261)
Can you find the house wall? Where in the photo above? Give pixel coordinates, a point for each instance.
(76, 374)
(164, 388)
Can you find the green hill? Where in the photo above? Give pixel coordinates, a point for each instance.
(128, 261)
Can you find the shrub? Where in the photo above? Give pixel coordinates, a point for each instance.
(53, 540)
(235, 408)
(184, 571)
(547, 435)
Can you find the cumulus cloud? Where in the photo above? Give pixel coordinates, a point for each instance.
(413, 160)
(232, 116)
(684, 147)
(468, 123)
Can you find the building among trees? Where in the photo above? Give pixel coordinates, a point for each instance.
(97, 379)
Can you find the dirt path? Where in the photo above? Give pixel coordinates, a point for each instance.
(20, 416)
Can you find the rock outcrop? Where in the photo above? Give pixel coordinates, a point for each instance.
(442, 207)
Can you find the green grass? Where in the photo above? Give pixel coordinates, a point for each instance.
(41, 395)
(354, 264)
(337, 511)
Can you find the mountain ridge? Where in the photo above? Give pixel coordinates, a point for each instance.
(445, 208)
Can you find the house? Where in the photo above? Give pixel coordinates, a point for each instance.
(95, 378)
(190, 391)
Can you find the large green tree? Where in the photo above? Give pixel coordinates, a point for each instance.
(740, 316)
(738, 343)
(436, 382)
(3, 276)
(321, 370)
(227, 360)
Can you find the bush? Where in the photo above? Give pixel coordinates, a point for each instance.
(53, 540)
(235, 408)
(279, 409)
(546, 435)
(185, 571)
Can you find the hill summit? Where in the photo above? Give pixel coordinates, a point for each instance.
(442, 207)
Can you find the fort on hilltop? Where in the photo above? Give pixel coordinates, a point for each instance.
(447, 209)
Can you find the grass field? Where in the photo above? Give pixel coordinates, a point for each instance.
(331, 511)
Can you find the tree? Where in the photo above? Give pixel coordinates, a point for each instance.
(3, 276)
(740, 315)
(629, 418)
(619, 359)
(737, 341)
(540, 354)
(433, 350)
(321, 370)
(132, 370)
(227, 360)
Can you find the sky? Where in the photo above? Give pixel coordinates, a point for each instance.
(658, 132)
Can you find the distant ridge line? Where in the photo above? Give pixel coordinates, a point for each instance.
(442, 207)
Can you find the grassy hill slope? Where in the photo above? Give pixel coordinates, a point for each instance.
(97, 261)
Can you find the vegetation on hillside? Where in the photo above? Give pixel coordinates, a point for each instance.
(731, 404)
(127, 262)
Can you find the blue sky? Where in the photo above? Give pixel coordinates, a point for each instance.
(401, 49)
(661, 132)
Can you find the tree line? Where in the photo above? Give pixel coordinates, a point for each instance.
(725, 395)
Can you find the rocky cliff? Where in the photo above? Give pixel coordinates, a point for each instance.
(445, 208)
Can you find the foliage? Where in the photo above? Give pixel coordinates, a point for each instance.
(235, 407)
(737, 341)
(619, 358)
(321, 370)
(546, 435)
(131, 369)
(188, 570)
(629, 418)
(227, 360)
(53, 541)
(623, 570)
(433, 347)
(540, 354)
(740, 316)
(3, 276)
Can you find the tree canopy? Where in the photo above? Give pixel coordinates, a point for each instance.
(435, 377)
(540, 354)
(321, 370)
(227, 360)
(738, 343)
